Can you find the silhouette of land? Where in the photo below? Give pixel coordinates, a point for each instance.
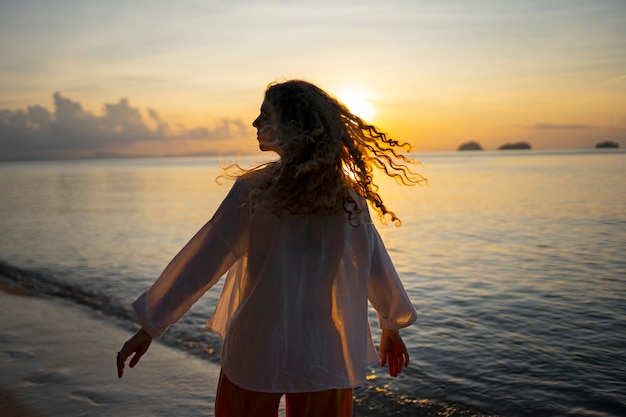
(470, 146)
(607, 144)
(516, 145)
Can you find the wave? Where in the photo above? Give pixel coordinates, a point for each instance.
(44, 282)
(40, 282)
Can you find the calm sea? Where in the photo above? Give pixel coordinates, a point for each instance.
(516, 262)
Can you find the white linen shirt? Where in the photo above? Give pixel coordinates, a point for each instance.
(293, 313)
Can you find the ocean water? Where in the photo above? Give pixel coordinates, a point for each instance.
(516, 262)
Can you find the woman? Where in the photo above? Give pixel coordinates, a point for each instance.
(302, 259)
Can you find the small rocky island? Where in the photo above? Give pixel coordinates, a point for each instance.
(516, 145)
(607, 144)
(470, 146)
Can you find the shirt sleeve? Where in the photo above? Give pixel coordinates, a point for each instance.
(386, 292)
(198, 266)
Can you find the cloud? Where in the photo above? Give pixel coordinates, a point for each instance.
(615, 80)
(71, 131)
(543, 125)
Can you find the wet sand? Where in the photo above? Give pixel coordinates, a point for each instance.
(10, 406)
(58, 359)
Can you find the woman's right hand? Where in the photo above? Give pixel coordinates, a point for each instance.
(138, 344)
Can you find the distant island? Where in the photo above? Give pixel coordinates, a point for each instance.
(607, 144)
(470, 146)
(516, 145)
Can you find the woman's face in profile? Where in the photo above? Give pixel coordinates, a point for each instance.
(266, 129)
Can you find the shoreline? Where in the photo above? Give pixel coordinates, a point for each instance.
(58, 359)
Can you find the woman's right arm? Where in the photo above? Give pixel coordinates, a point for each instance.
(198, 266)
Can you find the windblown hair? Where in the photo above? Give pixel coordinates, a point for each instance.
(326, 151)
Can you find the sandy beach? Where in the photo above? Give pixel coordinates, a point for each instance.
(58, 359)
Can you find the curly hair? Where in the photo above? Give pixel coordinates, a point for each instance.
(326, 152)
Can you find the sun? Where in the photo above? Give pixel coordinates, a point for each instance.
(358, 103)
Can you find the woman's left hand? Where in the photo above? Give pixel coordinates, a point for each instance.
(393, 352)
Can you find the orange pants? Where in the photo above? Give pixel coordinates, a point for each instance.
(233, 401)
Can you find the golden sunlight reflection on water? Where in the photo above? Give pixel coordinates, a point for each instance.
(515, 262)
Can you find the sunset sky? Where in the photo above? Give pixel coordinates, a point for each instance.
(81, 78)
